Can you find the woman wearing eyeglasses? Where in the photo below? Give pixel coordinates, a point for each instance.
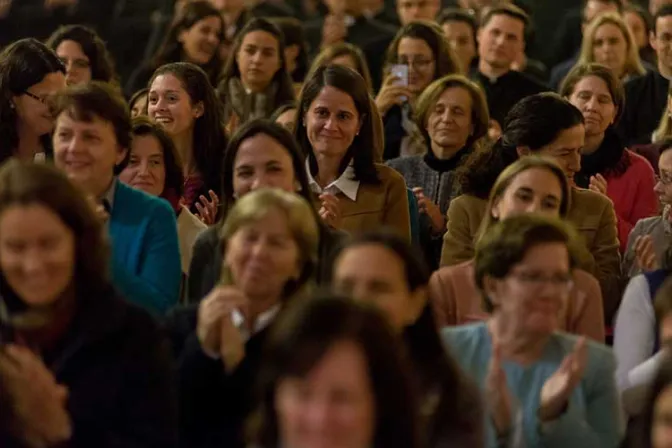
(424, 49)
(29, 73)
(542, 387)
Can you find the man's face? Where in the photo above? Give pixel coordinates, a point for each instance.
(655, 5)
(594, 8)
(411, 10)
(661, 42)
(501, 40)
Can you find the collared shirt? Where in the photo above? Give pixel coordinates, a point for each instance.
(346, 183)
(263, 320)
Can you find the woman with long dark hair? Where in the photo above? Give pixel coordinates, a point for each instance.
(29, 74)
(255, 80)
(194, 36)
(384, 270)
(184, 103)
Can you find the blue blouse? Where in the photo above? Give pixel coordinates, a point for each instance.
(593, 418)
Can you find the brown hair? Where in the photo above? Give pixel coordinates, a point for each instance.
(328, 54)
(306, 334)
(23, 184)
(84, 102)
(506, 243)
(633, 64)
(480, 115)
(507, 10)
(614, 85)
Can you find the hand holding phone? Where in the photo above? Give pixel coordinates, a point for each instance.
(394, 90)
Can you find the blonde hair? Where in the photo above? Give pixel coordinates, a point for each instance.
(664, 129)
(301, 221)
(633, 64)
(507, 176)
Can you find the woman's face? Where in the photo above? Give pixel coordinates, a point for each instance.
(333, 406)
(37, 253)
(420, 60)
(287, 119)
(449, 123)
(592, 97)
(637, 27)
(263, 256)
(262, 162)
(610, 48)
(373, 273)
(77, 64)
(661, 426)
(535, 190)
(31, 108)
(332, 123)
(533, 295)
(461, 38)
(200, 43)
(565, 150)
(139, 106)
(146, 169)
(258, 60)
(170, 106)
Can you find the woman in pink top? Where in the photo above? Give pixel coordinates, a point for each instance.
(607, 167)
(530, 185)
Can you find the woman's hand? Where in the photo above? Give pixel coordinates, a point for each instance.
(216, 331)
(40, 417)
(391, 94)
(645, 254)
(598, 184)
(330, 211)
(207, 210)
(498, 396)
(557, 389)
(429, 208)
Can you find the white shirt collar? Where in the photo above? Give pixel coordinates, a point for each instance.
(263, 321)
(345, 184)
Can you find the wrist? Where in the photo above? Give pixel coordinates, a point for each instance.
(550, 413)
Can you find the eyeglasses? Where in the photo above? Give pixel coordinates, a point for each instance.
(537, 281)
(419, 63)
(664, 179)
(41, 99)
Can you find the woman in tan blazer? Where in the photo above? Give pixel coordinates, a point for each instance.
(335, 127)
(530, 185)
(543, 124)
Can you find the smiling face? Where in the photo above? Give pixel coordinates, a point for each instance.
(565, 150)
(77, 64)
(332, 406)
(263, 256)
(258, 60)
(663, 187)
(170, 106)
(87, 152)
(420, 60)
(610, 48)
(449, 123)
(533, 295)
(535, 190)
(146, 169)
(33, 114)
(332, 122)
(37, 253)
(200, 43)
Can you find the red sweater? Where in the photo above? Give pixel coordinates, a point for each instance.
(632, 194)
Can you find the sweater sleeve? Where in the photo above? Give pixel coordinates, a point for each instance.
(634, 334)
(608, 262)
(442, 300)
(156, 285)
(458, 243)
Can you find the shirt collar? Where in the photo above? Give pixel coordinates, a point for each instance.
(108, 196)
(345, 184)
(263, 321)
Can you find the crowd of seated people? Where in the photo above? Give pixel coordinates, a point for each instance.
(335, 224)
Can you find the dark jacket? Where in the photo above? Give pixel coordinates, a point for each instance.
(116, 365)
(645, 101)
(206, 261)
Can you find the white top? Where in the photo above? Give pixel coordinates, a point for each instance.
(345, 184)
(188, 228)
(263, 321)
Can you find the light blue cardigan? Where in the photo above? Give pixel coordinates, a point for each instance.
(593, 418)
(145, 250)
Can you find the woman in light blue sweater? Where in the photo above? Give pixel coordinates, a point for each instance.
(542, 388)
